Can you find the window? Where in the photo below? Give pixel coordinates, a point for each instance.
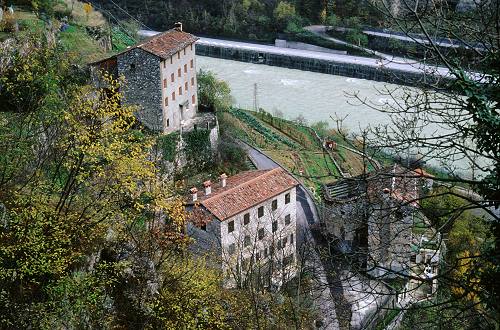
(191, 46)
(166, 101)
(178, 55)
(180, 90)
(275, 226)
(203, 227)
(287, 219)
(265, 253)
(262, 233)
(168, 122)
(274, 204)
(185, 68)
(192, 81)
(246, 219)
(179, 72)
(164, 64)
(285, 240)
(279, 245)
(230, 226)
(171, 59)
(257, 256)
(191, 64)
(287, 198)
(271, 250)
(185, 87)
(184, 51)
(173, 96)
(291, 238)
(165, 83)
(172, 77)
(232, 248)
(246, 241)
(260, 210)
(193, 99)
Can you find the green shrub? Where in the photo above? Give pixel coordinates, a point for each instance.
(168, 146)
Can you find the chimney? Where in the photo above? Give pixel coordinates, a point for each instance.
(208, 187)
(223, 178)
(178, 26)
(194, 193)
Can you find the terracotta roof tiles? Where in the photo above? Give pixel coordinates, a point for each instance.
(245, 190)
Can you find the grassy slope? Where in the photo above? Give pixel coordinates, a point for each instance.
(296, 148)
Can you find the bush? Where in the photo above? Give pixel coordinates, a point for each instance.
(168, 146)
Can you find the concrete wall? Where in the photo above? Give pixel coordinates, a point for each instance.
(314, 65)
(142, 88)
(184, 87)
(301, 45)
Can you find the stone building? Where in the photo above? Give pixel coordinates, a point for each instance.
(247, 224)
(371, 216)
(160, 78)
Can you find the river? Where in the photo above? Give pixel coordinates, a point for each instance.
(315, 96)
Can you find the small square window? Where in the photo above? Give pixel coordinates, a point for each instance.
(232, 248)
(246, 219)
(203, 227)
(275, 226)
(191, 63)
(179, 72)
(132, 67)
(166, 101)
(192, 81)
(168, 122)
(287, 219)
(165, 83)
(260, 211)
(193, 99)
(173, 96)
(274, 205)
(230, 226)
(172, 77)
(180, 90)
(185, 68)
(262, 233)
(185, 87)
(287, 198)
(246, 241)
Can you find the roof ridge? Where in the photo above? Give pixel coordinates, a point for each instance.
(246, 183)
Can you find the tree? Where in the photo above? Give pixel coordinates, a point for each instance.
(283, 14)
(213, 93)
(463, 114)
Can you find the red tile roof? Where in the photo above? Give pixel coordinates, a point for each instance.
(245, 190)
(163, 45)
(167, 43)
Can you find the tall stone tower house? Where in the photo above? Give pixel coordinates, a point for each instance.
(160, 78)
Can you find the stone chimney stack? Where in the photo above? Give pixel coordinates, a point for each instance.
(194, 193)
(223, 178)
(208, 187)
(178, 26)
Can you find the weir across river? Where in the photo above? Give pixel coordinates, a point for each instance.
(407, 72)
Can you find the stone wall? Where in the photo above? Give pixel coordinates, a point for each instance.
(141, 71)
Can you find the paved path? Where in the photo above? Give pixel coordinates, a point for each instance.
(306, 216)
